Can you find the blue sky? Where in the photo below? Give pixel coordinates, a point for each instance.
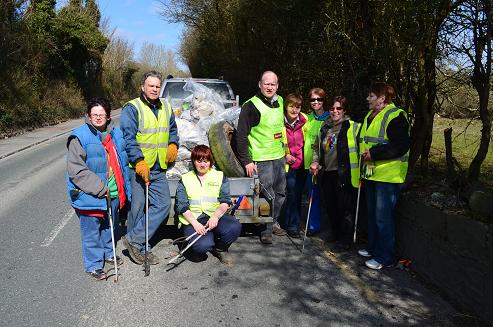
(139, 21)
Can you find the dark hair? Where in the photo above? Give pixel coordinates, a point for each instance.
(293, 98)
(201, 151)
(103, 102)
(342, 100)
(383, 89)
(151, 73)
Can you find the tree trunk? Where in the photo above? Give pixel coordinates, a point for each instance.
(447, 135)
(481, 82)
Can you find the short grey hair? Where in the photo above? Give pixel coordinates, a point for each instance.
(151, 73)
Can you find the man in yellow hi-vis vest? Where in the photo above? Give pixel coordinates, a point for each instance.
(151, 137)
(259, 142)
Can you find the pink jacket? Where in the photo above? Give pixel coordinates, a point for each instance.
(296, 141)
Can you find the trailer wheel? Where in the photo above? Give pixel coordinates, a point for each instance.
(220, 136)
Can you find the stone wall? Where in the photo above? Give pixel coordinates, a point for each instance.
(453, 252)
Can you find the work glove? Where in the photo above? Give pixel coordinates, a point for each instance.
(172, 153)
(368, 168)
(142, 169)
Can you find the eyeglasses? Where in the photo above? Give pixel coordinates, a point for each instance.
(335, 108)
(98, 115)
(202, 160)
(317, 99)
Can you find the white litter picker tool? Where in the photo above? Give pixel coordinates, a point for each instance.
(110, 218)
(187, 247)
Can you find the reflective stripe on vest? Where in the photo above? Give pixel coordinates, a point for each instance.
(265, 141)
(202, 197)
(153, 134)
(390, 171)
(313, 130)
(352, 134)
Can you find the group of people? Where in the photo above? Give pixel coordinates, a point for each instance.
(333, 157)
(126, 167)
(111, 167)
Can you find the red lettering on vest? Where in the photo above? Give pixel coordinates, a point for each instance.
(277, 135)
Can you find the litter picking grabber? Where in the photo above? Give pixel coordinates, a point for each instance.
(357, 211)
(308, 215)
(187, 247)
(147, 266)
(110, 218)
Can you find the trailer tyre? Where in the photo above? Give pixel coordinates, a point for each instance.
(220, 136)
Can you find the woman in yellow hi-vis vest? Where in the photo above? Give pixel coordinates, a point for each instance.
(384, 149)
(316, 118)
(336, 163)
(202, 198)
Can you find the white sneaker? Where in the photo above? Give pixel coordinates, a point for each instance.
(364, 253)
(373, 264)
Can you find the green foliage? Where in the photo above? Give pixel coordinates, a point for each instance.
(81, 47)
(118, 70)
(48, 60)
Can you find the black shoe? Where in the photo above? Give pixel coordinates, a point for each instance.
(294, 234)
(119, 261)
(97, 274)
(342, 247)
(312, 232)
(266, 238)
(133, 251)
(152, 258)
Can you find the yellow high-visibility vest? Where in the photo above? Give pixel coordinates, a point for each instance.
(202, 196)
(152, 134)
(313, 128)
(389, 171)
(352, 142)
(265, 141)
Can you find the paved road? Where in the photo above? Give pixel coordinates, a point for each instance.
(43, 283)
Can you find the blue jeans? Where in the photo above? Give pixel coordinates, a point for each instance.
(314, 192)
(95, 234)
(381, 200)
(272, 176)
(159, 206)
(226, 232)
(295, 180)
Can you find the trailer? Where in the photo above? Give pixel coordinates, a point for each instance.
(255, 208)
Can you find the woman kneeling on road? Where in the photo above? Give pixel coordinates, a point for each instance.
(97, 165)
(202, 198)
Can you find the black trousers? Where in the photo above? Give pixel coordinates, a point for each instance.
(340, 203)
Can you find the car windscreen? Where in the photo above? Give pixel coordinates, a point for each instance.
(175, 90)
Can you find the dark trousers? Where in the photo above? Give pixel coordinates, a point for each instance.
(340, 206)
(226, 232)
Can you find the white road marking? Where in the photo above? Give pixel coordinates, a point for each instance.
(58, 228)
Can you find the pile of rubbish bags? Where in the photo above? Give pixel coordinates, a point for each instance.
(194, 116)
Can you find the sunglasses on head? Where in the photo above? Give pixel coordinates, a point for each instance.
(317, 99)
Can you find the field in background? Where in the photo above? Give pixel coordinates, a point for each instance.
(466, 134)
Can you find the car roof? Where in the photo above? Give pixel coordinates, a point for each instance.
(194, 79)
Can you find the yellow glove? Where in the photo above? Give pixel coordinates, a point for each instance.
(172, 153)
(142, 169)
